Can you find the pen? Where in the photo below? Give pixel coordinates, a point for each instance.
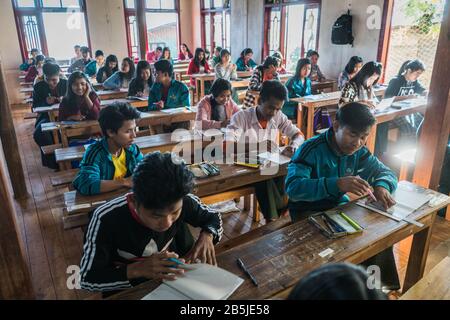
(370, 192)
(246, 271)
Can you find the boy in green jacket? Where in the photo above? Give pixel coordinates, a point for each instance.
(108, 164)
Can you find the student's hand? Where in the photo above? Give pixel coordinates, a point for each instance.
(87, 92)
(354, 185)
(233, 67)
(288, 151)
(203, 250)
(139, 94)
(155, 267)
(225, 123)
(127, 182)
(384, 197)
(51, 100)
(159, 105)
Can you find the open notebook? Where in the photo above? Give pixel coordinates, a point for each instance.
(200, 282)
(384, 104)
(275, 156)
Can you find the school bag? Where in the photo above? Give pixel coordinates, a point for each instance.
(342, 30)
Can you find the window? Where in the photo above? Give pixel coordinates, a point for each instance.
(413, 34)
(52, 26)
(161, 24)
(216, 19)
(291, 27)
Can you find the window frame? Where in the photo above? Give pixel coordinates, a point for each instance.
(37, 11)
(282, 6)
(211, 12)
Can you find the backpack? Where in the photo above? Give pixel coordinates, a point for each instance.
(342, 30)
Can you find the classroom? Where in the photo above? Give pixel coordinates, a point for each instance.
(225, 150)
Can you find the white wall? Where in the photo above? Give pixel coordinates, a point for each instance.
(190, 24)
(333, 58)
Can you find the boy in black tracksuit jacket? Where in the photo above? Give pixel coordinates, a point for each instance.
(130, 238)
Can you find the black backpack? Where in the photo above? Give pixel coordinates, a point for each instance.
(342, 30)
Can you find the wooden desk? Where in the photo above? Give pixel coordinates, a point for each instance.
(112, 94)
(26, 84)
(329, 85)
(28, 92)
(281, 258)
(434, 286)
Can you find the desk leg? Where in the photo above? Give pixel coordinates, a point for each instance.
(197, 89)
(202, 89)
(310, 123)
(418, 256)
(300, 117)
(370, 144)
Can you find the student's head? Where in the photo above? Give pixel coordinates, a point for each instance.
(200, 57)
(271, 64)
(34, 52)
(99, 57)
(313, 55)
(277, 55)
(158, 52)
(303, 68)
(40, 60)
(143, 72)
(159, 186)
(337, 281)
(352, 127)
(164, 71)
(413, 70)
(247, 54)
(51, 74)
(77, 50)
(354, 65)
(166, 53)
(221, 91)
(118, 123)
(271, 98)
(77, 85)
(85, 52)
(184, 48)
(127, 68)
(217, 51)
(369, 74)
(112, 63)
(225, 56)
(207, 54)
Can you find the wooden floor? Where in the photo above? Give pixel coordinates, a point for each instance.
(51, 249)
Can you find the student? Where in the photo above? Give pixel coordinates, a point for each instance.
(281, 66)
(153, 56)
(185, 53)
(31, 60)
(166, 92)
(35, 70)
(215, 110)
(40, 77)
(216, 58)
(130, 238)
(336, 281)
(95, 65)
(266, 71)
(121, 79)
(107, 165)
(198, 65)
(80, 65)
(141, 84)
(166, 55)
(77, 56)
(328, 166)
(405, 84)
(111, 66)
(245, 61)
(360, 87)
(46, 93)
(81, 102)
(316, 74)
(262, 122)
(351, 69)
(225, 69)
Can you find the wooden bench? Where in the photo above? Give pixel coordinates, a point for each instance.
(30, 115)
(434, 286)
(50, 149)
(63, 178)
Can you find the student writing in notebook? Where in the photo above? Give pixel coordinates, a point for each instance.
(30, 61)
(141, 84)
(130, 239)
(245, 62)
(122, 78)
(328, 166)
(95, 65)
(107, 165)
(111, 66)
(316, 74)
(351, 69)
(166, 55)
(198, 65)
(80, 65)
(77, 56)
(36, 69)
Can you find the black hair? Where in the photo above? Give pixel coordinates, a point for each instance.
(351, 65)
(197, 62)
(164, 66)
(368, 70)
(50, 60)
(413, 65)
(51, 69)
(113, 116)
(311, 53)
(218, 49)
(300, 64)
(130, 73)
(159, 181)
(34, 50)
(273, 89)
(159, 48)
(356, 116)
(220, 85)
(403, 68)
(39, 58)
(336, 281)
(187, 48)
(70, 97)
(142, 65)
(223, 52)
(246, 52)
(164, 50)
(99, 53)
(271, 61)
(77, 46)
(84, 49)
(108, 70)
